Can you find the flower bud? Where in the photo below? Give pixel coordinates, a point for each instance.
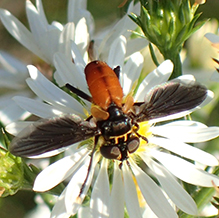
(11, 173)
(168, 24)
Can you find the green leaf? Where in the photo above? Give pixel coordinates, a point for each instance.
(192, 23)
(181, 36)
(145, 18)
(135, 18)
(153, 56)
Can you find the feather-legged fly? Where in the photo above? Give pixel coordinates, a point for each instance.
(113, 123)
(116, 122)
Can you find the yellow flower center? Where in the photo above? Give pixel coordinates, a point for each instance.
(144, 131)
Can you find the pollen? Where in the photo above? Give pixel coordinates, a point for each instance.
(144, 130)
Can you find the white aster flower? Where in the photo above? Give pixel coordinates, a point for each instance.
(131, 186)
(199, 63)
(13, 74)
(46, 39)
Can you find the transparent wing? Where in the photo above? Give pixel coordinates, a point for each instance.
(50, 134)
(170, 98)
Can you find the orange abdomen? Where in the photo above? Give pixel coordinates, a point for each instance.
(103, 84)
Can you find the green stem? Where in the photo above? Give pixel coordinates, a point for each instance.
(175, 58)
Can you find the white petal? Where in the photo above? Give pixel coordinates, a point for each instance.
(16, 127)
(134, 45)
(112, 34)
(172, 188)
(68, 72)
(89, 21)
(185, 170)
(186, 79)
(73, 9)
(148, 213)
(185, 150)
(41, 12)
(72, 198)
(99, 203)
(131, 72)
(12, 81)
(47, 91)
(116, 205)
(56, 25)
(123, 26)
(59, 209)
(172, 116)
(160, 75)
(131, 197)
(84, 212)
(49, 43)
(193, 133)
(45, 36)
(59, 171)
(37, 108)
(37, 26)
(212, 37)
(66, 36)
(186, 123)
(81, 35)
(11, 112)
(20, 32)
(49, 153)
(78, 58)
(117, 52)
(130, 25)
(152, 193)
(13, 66)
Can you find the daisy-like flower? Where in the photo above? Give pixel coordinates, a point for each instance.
(198, 62)
(46, 39)
(132, 186)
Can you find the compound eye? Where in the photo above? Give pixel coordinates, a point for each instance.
(133, 144)
(110, 152)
